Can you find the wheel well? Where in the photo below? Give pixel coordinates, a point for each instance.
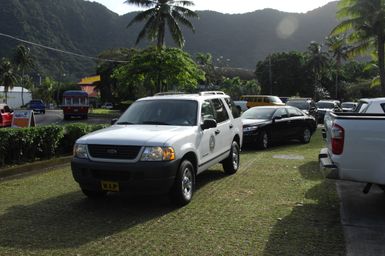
(193, 159)
(237, 139)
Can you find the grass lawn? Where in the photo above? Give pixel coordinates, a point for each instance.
(272, 206)
(101, 112)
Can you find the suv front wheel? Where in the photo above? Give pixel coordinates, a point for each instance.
(183, 189)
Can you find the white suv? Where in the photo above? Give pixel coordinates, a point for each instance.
(160, 144)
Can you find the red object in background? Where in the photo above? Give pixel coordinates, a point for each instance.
(5, 115)
(75, 104)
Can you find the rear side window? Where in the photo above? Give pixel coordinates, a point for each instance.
(220, 110)
(234, 110)
(294, 112)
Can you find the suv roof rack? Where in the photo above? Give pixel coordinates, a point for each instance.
(168, 93)
(212, 93)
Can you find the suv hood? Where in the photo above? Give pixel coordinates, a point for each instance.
(138, 135)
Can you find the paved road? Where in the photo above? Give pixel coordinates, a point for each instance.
(363, 219)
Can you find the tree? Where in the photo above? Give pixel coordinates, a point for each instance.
(23, 62)
(143, 71)
(163, 13)
(7, 76)
(338, 48)
(364, 20)
(318, 62)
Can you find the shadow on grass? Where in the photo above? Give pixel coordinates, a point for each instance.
(71, 220)
(311, 228)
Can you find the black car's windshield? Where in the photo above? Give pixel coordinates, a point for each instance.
(325, 105)
(259, 113)
(298, 104)
(161, 112)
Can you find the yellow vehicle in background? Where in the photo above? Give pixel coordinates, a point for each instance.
(262, 100)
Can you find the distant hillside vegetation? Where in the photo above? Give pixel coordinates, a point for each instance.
(89, 28)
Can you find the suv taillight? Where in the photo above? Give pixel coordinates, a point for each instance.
(338, 137)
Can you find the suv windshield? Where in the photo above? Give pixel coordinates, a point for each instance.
(325, 105)
(161, 112)
(298, 104)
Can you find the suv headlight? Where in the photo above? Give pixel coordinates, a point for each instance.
(250, 128)
(158, 154)
(80, 151)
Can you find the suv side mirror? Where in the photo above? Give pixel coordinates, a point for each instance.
(208, 123)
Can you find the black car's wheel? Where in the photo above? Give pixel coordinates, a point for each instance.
(94, 194)
(231, 163)
(305, 135)
(263, 141)
(183, 188)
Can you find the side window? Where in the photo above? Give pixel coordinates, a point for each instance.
(294, 112)
(220, 110)
(207, 111)
(234, 110)
(281, 113)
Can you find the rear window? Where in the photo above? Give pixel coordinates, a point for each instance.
(383, 107)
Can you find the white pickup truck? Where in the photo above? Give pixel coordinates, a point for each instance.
(356, 145)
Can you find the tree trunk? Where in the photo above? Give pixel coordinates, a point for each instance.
(381, 64)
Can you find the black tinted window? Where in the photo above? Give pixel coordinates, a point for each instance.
(207, 111)
(383, 106)
(220, 110)
(234, 109)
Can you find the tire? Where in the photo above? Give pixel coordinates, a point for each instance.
(231, 163)
(305, 135)
(183, 189)
(94, 194)
(263, 140)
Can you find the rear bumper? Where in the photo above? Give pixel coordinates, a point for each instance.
(142, 177)
(327, 167)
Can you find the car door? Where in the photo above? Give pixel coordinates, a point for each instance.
(223, 132)
(206, 141)
(297, 122)
(280, 124)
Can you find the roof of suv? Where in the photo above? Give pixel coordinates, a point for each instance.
(206, 95)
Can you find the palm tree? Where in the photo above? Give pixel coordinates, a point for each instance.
(23, 61)
(7, 76)
(160, 14)
(338, 48)
(364, 20)
(318, 62)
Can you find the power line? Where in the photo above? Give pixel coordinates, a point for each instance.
(61, 51)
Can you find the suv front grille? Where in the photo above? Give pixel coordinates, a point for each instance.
(114, 151)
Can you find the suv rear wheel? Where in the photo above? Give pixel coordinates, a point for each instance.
(231, 163)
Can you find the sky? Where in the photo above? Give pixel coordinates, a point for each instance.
(229, 6)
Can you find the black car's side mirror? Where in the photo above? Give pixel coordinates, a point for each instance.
(208, 123)
(113, 121)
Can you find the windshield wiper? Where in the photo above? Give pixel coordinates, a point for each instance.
(154, 122)
(124, 123)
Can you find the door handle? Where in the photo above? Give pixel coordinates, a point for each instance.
(217, 132)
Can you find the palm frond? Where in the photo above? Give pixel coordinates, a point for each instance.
(142, 16)
(183, 20)
(141, 3)
(176, 32)
(184, 3)
(186, 12)
(146, 30)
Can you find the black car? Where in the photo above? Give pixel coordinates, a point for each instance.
(307, 105)
(264, 125)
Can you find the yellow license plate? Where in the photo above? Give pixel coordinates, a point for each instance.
(110, 186)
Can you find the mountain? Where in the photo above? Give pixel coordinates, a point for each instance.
(87, 28)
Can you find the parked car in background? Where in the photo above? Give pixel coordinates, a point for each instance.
(37, 106)
(107, 105)
(241, 105)
(262, 100)
(348, 106)
(327, 106)
(6, 115)
(374, 105)
(264, 125)
(307, 105)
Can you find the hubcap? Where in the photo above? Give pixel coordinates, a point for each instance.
(265, 140)
(235, 157)
(187, 183)
(306, 135)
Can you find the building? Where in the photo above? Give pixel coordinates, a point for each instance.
(87, 85)
(14, 96)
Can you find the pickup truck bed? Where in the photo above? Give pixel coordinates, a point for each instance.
(355, 147)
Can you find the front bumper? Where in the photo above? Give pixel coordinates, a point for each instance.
(327, 167)
(142, 177)
(250, 137)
